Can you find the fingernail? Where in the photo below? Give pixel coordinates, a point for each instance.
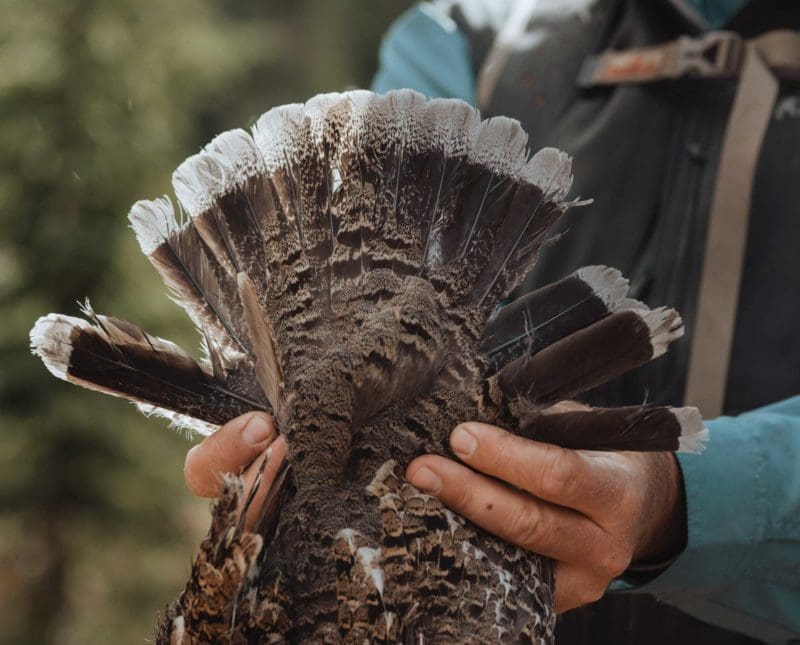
(462, 442)
(257, 430)
(427, 480)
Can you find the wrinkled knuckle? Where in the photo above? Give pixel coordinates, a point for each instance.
(554, 473)
(460, 499)
(525, 528)
(505, 454)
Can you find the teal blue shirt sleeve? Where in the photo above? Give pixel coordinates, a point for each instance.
(741, 567)
(425, 51)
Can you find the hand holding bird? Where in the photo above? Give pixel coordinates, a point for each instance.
(592, 512)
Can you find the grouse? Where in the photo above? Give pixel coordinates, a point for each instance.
(346, 263)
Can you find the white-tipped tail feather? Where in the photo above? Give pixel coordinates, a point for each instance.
(666, 326)
(551, 170)
(607, 283)
(51, 341)
(694, 434)
(502, 145)
(225, 163)
(275, 132)
(454, 125)
(152, 221)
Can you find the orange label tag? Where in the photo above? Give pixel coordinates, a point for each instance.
(635, 65)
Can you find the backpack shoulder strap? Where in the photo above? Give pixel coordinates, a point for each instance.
(758, 63)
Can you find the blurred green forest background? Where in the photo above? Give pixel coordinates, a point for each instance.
(99, 102)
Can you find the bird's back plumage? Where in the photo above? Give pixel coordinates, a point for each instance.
(344, 263)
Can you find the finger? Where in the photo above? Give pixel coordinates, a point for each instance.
(516, 517)
(565, 477)
(274, 455)
(575, 587)
(229, 450)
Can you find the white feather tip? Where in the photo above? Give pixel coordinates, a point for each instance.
(152, 221)
(275, 133)
(665, 324)
(230, 159)
(551, 170)
(51, 341)
(454, 125)
(196, 181)
(694, 435)
(502, 145)
(607, 283)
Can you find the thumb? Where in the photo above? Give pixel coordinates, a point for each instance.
(229, 450)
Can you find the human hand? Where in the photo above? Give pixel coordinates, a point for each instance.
(592, 512)
(238, 447)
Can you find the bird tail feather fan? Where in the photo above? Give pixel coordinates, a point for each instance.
(322, 195)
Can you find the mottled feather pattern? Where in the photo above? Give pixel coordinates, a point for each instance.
(343, 264)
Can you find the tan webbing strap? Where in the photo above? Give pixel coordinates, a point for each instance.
(781, 51)
(718, 295)
(503, 46)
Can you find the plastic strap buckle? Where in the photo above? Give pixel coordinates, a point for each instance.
(715, 55)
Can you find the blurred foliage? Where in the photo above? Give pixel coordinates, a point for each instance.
(99, 101)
